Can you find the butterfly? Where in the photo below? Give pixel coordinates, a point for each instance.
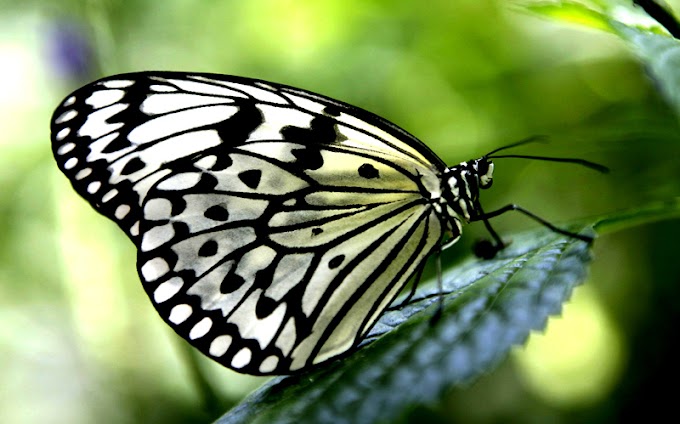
(273, 225)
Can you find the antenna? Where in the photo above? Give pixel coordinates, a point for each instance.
(532, 139)
(543, 139)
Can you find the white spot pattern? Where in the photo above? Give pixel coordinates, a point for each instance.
(201, 329)
(167, 289)
(242, 358)
(220, 345)
(66, 116)
(180, 313)
(154, 269)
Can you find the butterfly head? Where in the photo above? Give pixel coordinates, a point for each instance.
(461, 185)
(484, 168)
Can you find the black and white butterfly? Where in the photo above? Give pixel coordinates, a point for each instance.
(273, 225)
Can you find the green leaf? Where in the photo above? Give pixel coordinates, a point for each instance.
(571, 12)
(408, 360)
(653, 45)
(489, 306)
(653, 212)
(661, 55)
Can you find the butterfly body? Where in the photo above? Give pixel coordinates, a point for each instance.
(273, 225)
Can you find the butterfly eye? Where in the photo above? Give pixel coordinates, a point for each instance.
(485, 172)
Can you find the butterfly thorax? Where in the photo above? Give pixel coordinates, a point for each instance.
(459, 201)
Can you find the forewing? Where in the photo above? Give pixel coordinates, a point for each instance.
(115, 138)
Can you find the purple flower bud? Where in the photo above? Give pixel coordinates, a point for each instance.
(69, 51)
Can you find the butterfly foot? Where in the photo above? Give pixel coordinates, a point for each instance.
(434, 319)
(487, 249)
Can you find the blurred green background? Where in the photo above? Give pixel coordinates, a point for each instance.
(81, 343)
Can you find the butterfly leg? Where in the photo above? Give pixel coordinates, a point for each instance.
(512, 207)
(412, 290)
(440, 285)
(486, 249)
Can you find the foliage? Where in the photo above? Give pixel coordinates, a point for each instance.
(489, 306)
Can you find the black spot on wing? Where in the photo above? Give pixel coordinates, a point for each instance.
(206, 183)
(133, 165)
(331, 110)
(321, 130)
(368, 171)
(220, 154)
(316, 231)
(223, 162)
(308, 158)
(265, 306)
(178, 206)
(251, 178)
(208, 249)
(117, 144)
(336, 261)
(231, 283)
(235, 130)
(217, 213)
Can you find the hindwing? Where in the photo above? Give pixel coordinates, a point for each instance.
(269, 281)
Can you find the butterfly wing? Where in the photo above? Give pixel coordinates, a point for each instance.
(273, 224)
